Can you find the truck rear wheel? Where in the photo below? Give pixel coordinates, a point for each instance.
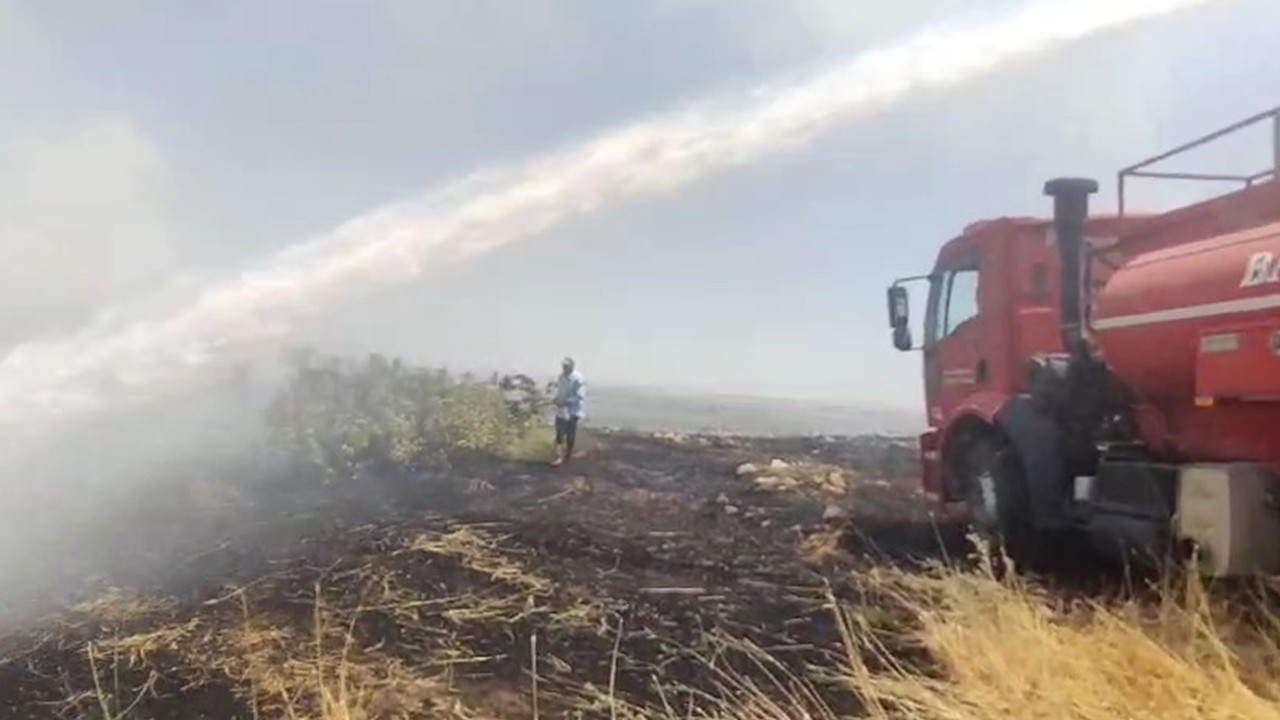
(995, 494)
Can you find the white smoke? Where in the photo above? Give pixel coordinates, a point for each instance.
(111, 362)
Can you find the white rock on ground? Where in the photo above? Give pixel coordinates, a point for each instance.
(777, 464)
(747, 469)
(834, 512)
(773, 482)
(768, 482)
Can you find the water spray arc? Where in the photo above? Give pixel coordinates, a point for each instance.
(102, 365)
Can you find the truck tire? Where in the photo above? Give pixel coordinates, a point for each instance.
(995, 494)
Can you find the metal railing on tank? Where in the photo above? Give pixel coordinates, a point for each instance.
(1139, 170)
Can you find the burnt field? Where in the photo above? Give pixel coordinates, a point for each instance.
(654, 572)
(399, 548)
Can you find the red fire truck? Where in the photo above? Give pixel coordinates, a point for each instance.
(1114, 378)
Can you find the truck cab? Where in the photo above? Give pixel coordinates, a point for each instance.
(989, 303)
(1022, 403)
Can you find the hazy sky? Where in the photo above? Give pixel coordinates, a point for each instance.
(145, 143)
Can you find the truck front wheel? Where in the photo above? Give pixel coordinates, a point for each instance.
(995, 494)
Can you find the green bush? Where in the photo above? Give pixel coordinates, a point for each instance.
(340, 414)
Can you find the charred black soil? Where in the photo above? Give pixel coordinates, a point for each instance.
(653, 570)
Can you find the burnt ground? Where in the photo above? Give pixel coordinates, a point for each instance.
(650, 571)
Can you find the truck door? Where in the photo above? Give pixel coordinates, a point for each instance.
(953, 359)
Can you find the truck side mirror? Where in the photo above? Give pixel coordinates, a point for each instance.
(902, 338)
(900, 317)
(899, 306)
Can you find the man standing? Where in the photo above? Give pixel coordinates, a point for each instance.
(571, 394)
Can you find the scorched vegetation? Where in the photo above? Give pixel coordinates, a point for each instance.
(414, 557)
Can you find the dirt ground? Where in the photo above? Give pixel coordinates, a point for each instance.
(654, 571)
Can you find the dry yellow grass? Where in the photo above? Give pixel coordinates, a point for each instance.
(1006, 650)
(539, 444)
(1001, 649)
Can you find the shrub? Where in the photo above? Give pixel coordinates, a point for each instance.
(341, 414)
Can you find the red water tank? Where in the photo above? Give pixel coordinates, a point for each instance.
(1198, 322)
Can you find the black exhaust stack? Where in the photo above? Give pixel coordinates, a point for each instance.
(1070, 210)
